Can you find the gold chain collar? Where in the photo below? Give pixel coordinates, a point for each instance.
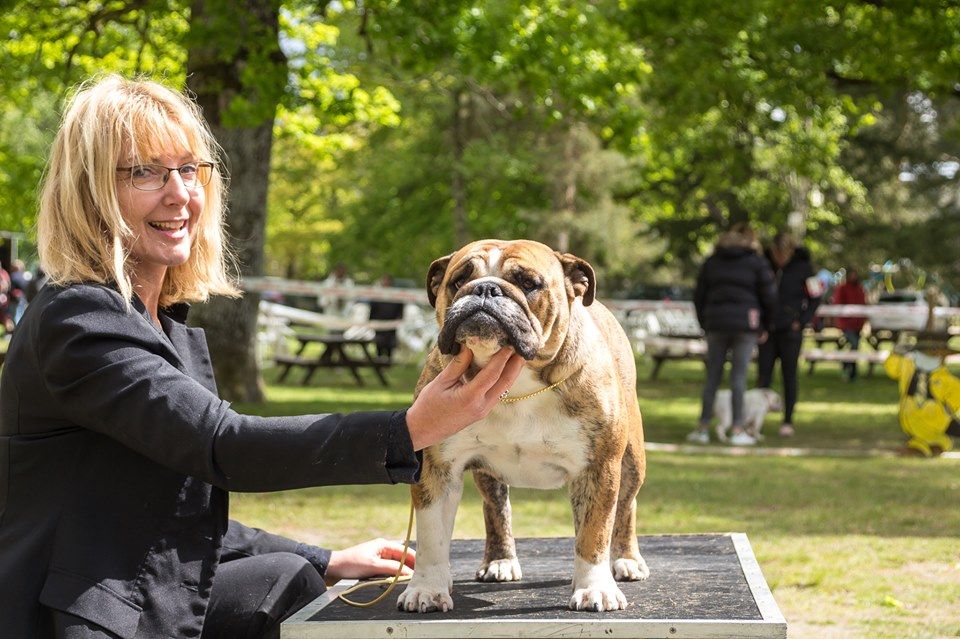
(505, 399)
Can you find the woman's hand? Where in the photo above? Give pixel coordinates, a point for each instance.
(447, 404)
(369, 559)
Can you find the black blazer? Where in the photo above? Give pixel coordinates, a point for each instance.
(116, 455)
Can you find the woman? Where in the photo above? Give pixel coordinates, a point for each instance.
(798, 296)
(116, 454)
(734, 300)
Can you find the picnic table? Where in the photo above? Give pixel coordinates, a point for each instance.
(674, 347)
(826, 336)
(334, 354)
(879, 336)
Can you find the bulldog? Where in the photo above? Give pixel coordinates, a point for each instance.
(757, 402)
(571, 418)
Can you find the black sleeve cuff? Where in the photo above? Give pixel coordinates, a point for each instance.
(402, 463)
(317, 556)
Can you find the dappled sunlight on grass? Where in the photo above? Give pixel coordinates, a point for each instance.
(851, 408)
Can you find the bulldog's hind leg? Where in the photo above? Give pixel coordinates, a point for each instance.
(430, 587)
(500, 552)
(627, 564)
(593, 495)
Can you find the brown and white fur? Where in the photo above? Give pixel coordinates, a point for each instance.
(757, 402)
(586, 433)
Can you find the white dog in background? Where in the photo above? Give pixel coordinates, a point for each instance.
(757, 402)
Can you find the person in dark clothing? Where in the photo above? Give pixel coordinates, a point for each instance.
(386, 340)
(19, 281)
(851, 293)
(734, 299)
(798, 295)
(116, 453)
(35, 284)
(6, 301)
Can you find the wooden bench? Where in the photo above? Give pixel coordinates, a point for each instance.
(872, 358)
(333, 354)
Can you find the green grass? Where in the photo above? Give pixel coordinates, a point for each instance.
(866, 547)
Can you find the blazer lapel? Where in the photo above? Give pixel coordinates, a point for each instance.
(189, 344)
(160, 335)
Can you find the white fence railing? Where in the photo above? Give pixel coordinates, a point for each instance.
(642, 319)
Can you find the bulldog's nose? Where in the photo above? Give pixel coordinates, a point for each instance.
(487, 289)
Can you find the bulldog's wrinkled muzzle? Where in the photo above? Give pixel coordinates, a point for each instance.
(488, 314)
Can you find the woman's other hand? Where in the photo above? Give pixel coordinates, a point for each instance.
(447, 404)
(374, 558)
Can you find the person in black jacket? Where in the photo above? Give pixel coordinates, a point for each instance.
(798, 296)
(734, 299)
(386, 341)
(116, 454)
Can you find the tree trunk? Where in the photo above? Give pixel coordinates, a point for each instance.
(565, 201)
(571, 161)
(458, 191)
(217, 70)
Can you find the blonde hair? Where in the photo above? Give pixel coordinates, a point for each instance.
(80, 230)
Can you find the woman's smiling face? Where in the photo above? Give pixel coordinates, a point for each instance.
(163, 221)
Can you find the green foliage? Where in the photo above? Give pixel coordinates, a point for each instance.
(761, 109)
(49, 46)
(630, 132)
(327, 114)
(492, 131)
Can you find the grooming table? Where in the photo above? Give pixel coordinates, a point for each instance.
(700, 586)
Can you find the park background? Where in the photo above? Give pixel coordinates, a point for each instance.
(385, 134)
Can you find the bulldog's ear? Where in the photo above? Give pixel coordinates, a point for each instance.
(435, 277)
(580, 274)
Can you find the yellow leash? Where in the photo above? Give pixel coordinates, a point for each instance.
(389, 582)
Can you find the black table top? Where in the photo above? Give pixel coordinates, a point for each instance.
(691, 577)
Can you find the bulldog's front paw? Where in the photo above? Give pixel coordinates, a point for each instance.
(598, 599)
(630, 569)
(500, 570)
(424, 599)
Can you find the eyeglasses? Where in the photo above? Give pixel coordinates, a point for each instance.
(152, 177)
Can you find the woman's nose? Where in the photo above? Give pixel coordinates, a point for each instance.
(175, 190)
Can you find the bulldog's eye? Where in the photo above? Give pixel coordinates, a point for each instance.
(529, 285)
(459, 282)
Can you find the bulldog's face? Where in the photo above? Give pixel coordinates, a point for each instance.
(492, 293)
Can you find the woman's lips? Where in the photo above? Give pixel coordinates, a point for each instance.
(175, 225)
